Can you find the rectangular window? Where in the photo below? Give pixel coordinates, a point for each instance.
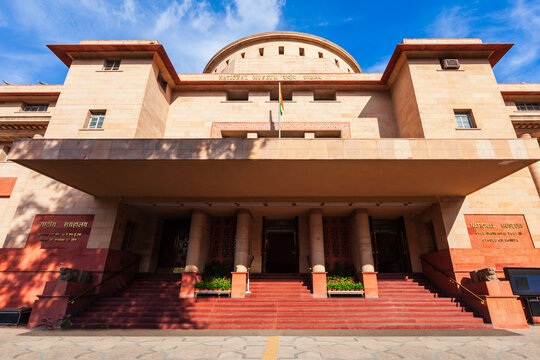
(324, 95)
(281, 50)
(162, 82)
(96, 119)
(35, 107)
(111, 65)
(528, 106)
(464, 120)
(286, 93)
(301, 51)
(237, 95)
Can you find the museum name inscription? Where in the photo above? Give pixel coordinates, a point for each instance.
(61, 236)
(268, 77)
(497, 233)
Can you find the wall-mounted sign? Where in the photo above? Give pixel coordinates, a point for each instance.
(61, 231)
(498, 231)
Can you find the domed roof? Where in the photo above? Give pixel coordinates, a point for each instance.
(320, 55)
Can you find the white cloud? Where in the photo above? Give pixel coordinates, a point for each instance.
(519, 23)
(452, 23)
(191, 30)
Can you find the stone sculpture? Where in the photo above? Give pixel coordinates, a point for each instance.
(80, 276)
(487, 274)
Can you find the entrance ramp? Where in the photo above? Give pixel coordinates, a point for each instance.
(280, 301)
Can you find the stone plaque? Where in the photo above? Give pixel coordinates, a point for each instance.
(498, 231)
(61, 231)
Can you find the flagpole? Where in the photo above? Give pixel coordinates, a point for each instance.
(279, 110)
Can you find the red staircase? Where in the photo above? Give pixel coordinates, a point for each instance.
(280, 301)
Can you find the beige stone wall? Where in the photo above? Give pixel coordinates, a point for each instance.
(155, 106)
(369, 113)
(515, 194)
(405, 106)
(87, 87)
(36, 194)
(289, 62)
(472, 87)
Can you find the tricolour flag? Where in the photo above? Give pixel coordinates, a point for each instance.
(281, 108)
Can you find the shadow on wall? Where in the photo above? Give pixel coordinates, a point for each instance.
(377, 108)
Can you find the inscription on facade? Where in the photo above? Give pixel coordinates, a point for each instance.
(269, 77)
(61, 231)
(498, 231)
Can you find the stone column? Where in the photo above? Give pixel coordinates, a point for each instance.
(534, 168)
(192, 273)
(318, 271)
(241, 253)
(363, 254)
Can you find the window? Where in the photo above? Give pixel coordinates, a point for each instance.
(111, 65)
(162, 82)
(528, 106)
(464, 120)
(261, 51)
(324, 95)
(237, 95)
(96, 119)
(301, 51)
(321, 55)
(286, 93)
(243, 55)
(35, 107)
(281, 50)
(227, 62)
(337, 62)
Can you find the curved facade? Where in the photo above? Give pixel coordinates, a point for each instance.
(282, 52)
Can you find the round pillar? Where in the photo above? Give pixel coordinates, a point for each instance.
(196, 230)
(241, 253)
(363, 256)
(316, 240)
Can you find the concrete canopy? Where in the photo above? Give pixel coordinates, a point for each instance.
(285, 168)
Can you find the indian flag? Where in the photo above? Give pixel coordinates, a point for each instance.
(281, 108)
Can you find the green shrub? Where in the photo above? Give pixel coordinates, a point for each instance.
(214, 283)
(336, 282)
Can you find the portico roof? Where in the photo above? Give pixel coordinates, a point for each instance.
(284, 168)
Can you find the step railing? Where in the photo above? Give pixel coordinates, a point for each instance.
(452, 280)
(113, 275)
(251, 257)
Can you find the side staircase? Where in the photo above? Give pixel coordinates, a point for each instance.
(280, 301)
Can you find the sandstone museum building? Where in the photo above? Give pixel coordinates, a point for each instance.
(281, 165)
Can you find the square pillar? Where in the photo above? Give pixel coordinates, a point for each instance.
(238, 284)
(318, 282)
(371, 287)
(189, 279)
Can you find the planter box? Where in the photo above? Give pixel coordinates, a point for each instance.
(212, 292)
(345, 292)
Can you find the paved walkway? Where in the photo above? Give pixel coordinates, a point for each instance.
(133, 344)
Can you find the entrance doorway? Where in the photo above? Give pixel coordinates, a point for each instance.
(174, 244)
(390, 249)
(280, 246)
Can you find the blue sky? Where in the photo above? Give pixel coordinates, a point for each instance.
(193, 30)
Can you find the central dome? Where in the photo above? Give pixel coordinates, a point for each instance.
(282, 52)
